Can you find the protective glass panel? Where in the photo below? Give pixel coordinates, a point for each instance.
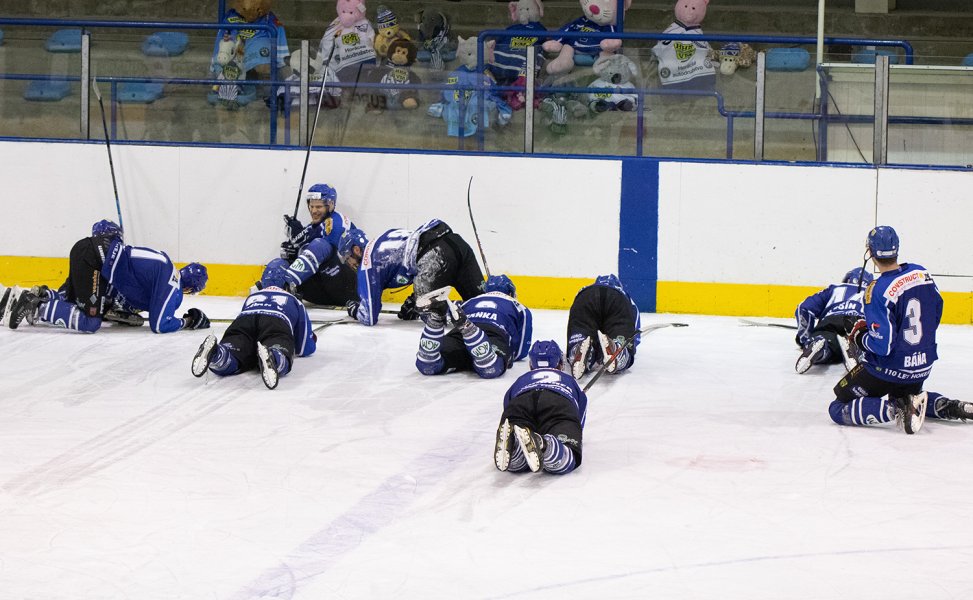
(848, 110)
(791, 104)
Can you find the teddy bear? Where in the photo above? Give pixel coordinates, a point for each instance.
(614, 71)
(397, 69)
(434, 39)
(348, 44)
(733, 55)
(598, 17)
(509, 65)
(459, 107)
(682, 63)
(388, 31)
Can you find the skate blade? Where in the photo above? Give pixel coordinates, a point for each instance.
(428, 298)
(202, 358)
(530, 450)
(501, 455)
(267, 370)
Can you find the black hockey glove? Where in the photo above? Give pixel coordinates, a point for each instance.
(408, 312)
(292, 227)
(288, 251)
(352, 307)
(857, 334)
(195, 319)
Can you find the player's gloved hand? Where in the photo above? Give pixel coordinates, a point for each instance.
(408, 312)
(352, 307)
(195, 319)
(288, 251)
(292, 227)
(857, 334)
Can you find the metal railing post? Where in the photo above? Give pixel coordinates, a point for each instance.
(85, 123)
(880, 145)
(758, 121)
(529, 99)
(305, 91)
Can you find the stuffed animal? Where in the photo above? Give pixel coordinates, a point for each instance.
(388, 31)
(683, 63)
(733, 55)
(348, 44)
(599, 17)
(229, 57)
(255, 44)
(332, 94)
(558, 109)
(397, 69)
(460, 107)
(509, 66)
(434, 39)
(614, 71)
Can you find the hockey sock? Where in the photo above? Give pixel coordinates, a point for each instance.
(65, 314)
(518, 462)
(486, 362)
(624, 357)
(558, 458)
(223, 362)
(280, 359)
(867, 410)
(429, 361)
(937, 406)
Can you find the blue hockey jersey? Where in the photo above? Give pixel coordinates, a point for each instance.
(506, 313)
(388, 261)
(510, 54)
(275, 302)
(841, 299)
(553, 380)
(145, 279)
(585, 45)
(902, 312)
(331, 228)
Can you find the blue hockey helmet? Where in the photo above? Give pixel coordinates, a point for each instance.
(106, 228)
(353, 237)
(500, 283)
(545, 354)
(193, 277)
(322, 192)
(858, 276)
(273, 276)
(610, 280)
(883, 242)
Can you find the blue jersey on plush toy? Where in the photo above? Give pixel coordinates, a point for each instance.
(552, 380)
(145, 279)
(257, 42)
(500, 310)
(902, 312)
(510, 54)
(585, 45)
(470, 78)
(388, 261)
(275, 302)
(841, 299)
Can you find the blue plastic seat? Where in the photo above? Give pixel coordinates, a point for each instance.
(47, 90)
(1, 37)
(165, 43)
(139, 93)
(788, 59)
(867, 56)
(968, 60)
(64, 40)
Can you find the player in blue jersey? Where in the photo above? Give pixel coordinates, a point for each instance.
(543, 417)
(824, 318)
(491, 331)
(309, 255)
(897, 338)
(102, 271)
(601, 318)
(429, 257)
(272, 327)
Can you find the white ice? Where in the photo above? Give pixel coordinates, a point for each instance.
(711, 470)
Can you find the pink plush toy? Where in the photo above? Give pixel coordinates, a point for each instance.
(599, 17)
(349, 42)
(684, 63)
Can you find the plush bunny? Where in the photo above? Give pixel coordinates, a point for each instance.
(319, 73)
(348, 45)
(614, 71)
(459, 107)
(683, 63)
(599, 17)
(388, 31)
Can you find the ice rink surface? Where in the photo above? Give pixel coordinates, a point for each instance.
(711, 470)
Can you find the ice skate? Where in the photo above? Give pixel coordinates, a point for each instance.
(26, 307)
(910, 412)
(204, 355)
(268, 366)
(947, 408)
(532, 445)
(5, 293)
(437, 301)
(501, 454)
(9, 301)
(580, 357)
(849, 353)
(124, 317)
(607, 350)
(812, 352)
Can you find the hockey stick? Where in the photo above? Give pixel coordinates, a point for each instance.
(309, 305)
(749, 323)
(628, 342)
(314, 126)
(111, 165)
(476, 234)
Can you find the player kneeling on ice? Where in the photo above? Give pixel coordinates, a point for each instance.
(897, 338)
(271, 328)
(602, 317)
(490, 331)
(429, 257)
(824, 317)
(543, 415)
(104, 272)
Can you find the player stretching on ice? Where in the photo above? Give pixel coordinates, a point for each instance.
(429, 257)
(490, 332)
(543, 415)
(898, 340)
(103, 271)
(270, 330)
(602, 311)
(824, 318)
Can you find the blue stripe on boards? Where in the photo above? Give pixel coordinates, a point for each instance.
(638, 238)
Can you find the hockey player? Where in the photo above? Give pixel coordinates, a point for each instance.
(602, 317)
(102, 271)
(897, 337)
(309, 255)
(270, 330)
(491, 331)
(824, 317)
(429, 257)
(543, 417)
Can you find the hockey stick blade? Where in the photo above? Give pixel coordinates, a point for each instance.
(311, 305)
(627, 343)
(750, 323)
